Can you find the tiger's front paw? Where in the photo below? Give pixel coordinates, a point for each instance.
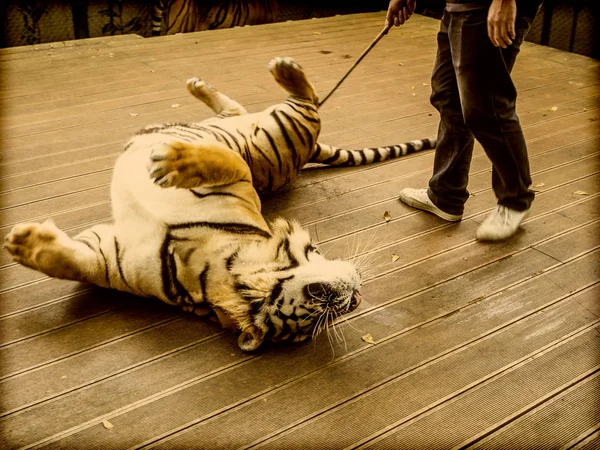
(199, 88)
(174, 165)
(30, 243)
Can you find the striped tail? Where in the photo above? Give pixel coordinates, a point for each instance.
(333, 156)
(157, 17)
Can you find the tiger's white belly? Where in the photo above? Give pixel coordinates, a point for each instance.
(148, 219)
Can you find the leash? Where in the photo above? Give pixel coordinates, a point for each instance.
(360, 58)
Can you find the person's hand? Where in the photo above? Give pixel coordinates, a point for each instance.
(501, 22)
(399, 11)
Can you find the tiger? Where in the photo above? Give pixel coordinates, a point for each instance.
(187, 225)
(183, 16)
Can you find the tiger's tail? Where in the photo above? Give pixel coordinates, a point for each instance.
(334, 156)
(157, 16)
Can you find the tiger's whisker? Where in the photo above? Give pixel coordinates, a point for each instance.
(346, 320)
(340, 331)
(334, 327)
(330, 338)
(335, 245)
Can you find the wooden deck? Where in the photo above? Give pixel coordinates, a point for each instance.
(495, 346)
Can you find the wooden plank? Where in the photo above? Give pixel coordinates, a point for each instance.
(486, 278)
(397, 400)
(578, 407)
(462, 417)
(100, 162)
(586, 239)
(56, 318)
(50, 98)
(205, 360)
(181, 93)
(44, 292)
(47, 208)
(46, 191)
(25, 51)
(327, 24)
(65, 372)
(399, 136)
(590, 443)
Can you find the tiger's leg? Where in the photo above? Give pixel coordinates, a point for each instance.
(43, 247)
(186, 165)
(222, 105)
(290, 76)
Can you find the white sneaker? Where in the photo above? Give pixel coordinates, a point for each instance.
(501, 224)
(418, 198)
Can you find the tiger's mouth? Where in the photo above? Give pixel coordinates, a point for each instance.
(354, 301)
(352, 305)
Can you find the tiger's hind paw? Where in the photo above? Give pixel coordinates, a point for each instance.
(285, 68)
(290, 76)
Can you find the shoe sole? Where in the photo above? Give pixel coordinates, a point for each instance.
(429, 208)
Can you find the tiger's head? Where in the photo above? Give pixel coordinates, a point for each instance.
(293, 290)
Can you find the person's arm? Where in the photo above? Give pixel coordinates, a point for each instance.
(399, 11)
(501, 22)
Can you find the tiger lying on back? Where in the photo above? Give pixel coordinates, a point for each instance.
(188, 227)
(277, 142)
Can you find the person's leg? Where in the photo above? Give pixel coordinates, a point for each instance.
(447, 190)
(488, 98)
(448, 184)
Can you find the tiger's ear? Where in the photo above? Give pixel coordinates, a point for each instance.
(250, 339)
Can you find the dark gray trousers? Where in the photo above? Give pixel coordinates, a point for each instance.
(474, 93)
